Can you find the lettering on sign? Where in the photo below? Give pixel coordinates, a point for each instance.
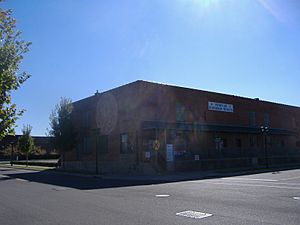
(221, 107)
(170, 153)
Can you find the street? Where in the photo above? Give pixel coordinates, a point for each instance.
(48, 197)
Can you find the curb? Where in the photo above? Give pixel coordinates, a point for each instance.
(32, 168)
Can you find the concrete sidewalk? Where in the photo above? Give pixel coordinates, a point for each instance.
(163, 177)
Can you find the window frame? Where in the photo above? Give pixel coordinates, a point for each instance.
(122, 150)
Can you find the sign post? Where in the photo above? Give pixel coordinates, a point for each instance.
(156, 146)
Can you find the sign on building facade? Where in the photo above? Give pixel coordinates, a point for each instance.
(221, 107)
(170, 153)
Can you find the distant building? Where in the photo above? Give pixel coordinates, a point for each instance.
(145, 125)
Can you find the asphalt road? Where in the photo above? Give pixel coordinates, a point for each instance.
(52, 198)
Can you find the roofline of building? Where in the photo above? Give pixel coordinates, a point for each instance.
(33, 136)
(192, 89)
(115, 88)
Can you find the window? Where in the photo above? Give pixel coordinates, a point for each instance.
(124, 143)
(266, 119)
(87, 145)
(251, 141)
(103, 144)
(282, 144)
(224, 140)
(180, 115)
(252, 119)
(86, 119)
(78, 148)
(238, 142)
(294, 123)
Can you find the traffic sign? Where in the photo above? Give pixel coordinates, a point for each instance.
(156, 145)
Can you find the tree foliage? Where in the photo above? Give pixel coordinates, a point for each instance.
(61, 128)
(25, 142)
(12, 49)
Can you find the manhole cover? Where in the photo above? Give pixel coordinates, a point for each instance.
(193, 214)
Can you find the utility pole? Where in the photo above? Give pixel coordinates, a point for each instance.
(97, 136)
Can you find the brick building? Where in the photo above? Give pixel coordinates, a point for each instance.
(144, 126)
(42, 142)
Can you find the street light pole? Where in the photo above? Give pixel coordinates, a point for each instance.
(264, 131)
(12, 153)
(98, 143)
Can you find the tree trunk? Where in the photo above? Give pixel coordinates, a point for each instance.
(26, 158)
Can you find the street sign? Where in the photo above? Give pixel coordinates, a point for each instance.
(169, 153)
(156, 145)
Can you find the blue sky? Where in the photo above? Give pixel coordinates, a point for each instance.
(249, 48)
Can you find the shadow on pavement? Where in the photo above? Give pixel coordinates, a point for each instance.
(78, 182)
(89, 182)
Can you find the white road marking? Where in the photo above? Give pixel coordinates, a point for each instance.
(249, 179)
(262, 181)
(60, 188)
(253, 185)
(291, 178)
(193, 214)
(292, 184)
(162, 196)
(19, 179)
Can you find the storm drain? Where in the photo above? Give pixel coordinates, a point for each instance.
(193, 214)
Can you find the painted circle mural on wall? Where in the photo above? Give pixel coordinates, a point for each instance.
(107, 113)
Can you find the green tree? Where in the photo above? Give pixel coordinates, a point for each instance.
(25, 142)
(61, 127)
(12, 49)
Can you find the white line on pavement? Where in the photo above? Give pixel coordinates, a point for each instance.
(19, 179)
(249, 179)
(162, 196)
(253, 185)
(291, 178)
(193, 214)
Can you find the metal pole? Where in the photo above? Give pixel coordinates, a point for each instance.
(156, 151)
(266, 150)
(12, 155)
(97, 170)
(97, 146)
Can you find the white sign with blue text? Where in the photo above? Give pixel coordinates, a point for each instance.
(170, 153)
(221, 107)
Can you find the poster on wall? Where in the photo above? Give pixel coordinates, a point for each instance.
(147, 155)
(170, 153)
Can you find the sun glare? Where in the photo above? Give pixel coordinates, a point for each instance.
(203, 3)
